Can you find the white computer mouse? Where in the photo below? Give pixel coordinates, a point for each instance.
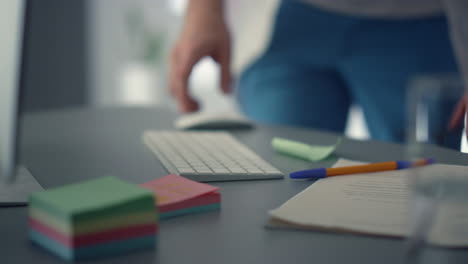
(213, 120)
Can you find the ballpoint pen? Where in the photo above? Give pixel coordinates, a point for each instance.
(371, 167)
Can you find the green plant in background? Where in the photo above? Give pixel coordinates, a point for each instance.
(146, 42)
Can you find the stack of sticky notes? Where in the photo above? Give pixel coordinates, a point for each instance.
(99, 217)
(176, 195)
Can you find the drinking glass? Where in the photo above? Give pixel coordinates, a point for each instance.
(431, 101)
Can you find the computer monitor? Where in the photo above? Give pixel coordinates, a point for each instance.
(12, 13)
(16, 183)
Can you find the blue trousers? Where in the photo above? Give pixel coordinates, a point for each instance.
(318, 63)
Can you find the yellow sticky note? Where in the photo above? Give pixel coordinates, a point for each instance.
(302, 150)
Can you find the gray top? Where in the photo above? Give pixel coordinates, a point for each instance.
(456, 11)
(70, 146)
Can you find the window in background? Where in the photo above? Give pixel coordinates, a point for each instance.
(128, 44)
(141, 77)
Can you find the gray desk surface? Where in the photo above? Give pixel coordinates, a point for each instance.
(65, 147)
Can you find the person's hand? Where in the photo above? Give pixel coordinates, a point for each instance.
(204, 34)
(459, 113)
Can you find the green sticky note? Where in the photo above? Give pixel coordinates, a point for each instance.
(303, 151)
(94, 199)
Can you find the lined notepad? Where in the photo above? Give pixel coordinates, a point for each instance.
(94, 218)
(375, 203)
(176, 195)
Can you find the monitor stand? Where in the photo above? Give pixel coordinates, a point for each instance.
(16, 193)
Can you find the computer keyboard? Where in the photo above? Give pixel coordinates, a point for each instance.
(208, 156)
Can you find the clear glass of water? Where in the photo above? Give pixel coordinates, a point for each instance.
(436, 194)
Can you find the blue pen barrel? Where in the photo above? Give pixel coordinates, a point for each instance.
(404, 164)
(309, 174)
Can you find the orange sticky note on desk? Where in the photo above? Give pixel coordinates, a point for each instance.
(176, 195)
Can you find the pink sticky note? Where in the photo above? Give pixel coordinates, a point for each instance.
(206, 199)
(173, 189)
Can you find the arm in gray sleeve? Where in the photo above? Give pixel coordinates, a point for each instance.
(457, 13)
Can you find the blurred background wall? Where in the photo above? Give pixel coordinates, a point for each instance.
(57, 55)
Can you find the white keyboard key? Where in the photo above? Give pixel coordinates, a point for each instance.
(255, 171)
(221, 171)
(204, 171)
(185, 170)
(237, 170)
